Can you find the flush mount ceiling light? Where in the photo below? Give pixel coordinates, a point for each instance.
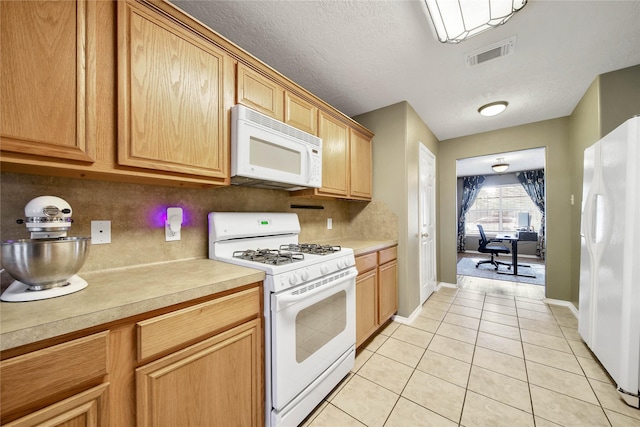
(501, 166)
(457, 20)
(493, 108)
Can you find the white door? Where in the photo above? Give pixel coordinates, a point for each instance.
(427, 207)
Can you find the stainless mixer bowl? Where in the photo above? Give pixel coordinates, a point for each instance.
(44, 263)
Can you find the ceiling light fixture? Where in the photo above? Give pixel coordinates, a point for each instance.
(501, 166)
(456, 21)
(493, 108)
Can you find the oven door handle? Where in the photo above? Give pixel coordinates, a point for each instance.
(288, 299)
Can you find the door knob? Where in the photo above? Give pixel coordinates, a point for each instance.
(425, 234)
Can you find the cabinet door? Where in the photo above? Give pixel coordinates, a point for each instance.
(47, 84)
(366, 305)
(257, 92)
(388, 283)
(87, 409)
(171, 92)
(215, 382)
(335, 155)
(300, 114)
(360, 177)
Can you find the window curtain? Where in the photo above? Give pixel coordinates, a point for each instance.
(471, 186)
(533, 183)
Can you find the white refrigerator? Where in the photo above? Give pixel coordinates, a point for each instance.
(609, 306)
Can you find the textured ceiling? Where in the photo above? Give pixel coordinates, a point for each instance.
(361, 55)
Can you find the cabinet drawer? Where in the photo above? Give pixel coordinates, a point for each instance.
(173, 330)
(366, 262)
(387, 255)
(40, 375)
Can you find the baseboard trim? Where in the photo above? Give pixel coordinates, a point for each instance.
(562, 303)
(407, 320)
(416, 312)
(446, 285)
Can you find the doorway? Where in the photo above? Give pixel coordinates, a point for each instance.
(427, 215)
(504, 203)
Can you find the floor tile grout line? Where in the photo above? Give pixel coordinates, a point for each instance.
(473, 355)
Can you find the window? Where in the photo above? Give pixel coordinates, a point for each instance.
(498, 208)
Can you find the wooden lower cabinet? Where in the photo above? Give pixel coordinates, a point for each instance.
(86, 409)
(376, 291)
(366, 302)
(214, 382)
(199, 363)
(388, 290)
(49, 384)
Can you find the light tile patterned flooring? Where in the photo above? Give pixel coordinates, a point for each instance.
(489, 353)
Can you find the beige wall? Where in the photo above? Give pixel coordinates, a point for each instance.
(398, 132)
(584, 130)
(619, 97)
(551, 134)
(611, 99)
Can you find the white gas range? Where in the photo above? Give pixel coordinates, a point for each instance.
(309, 307)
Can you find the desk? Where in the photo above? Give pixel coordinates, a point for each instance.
(513, 238)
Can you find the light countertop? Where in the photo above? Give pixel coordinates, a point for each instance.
(117, 294)
(120, 293)
(363, 246)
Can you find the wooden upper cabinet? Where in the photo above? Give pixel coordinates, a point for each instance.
(259, 93)
(335, 156)
(300, 113)
(48, 79)
(172, 114)
(361, 171)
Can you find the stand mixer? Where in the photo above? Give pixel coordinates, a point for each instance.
(45, 266)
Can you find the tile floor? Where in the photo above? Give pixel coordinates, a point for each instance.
(485, 354)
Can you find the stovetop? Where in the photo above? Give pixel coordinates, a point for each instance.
(286, 254)
(269, 256)
(311, 248)
(268, 241)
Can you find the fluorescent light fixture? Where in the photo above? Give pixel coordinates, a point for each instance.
(501, 166)
(457, 20)
(493, 108)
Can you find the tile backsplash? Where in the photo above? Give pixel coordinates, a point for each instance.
(135, 212)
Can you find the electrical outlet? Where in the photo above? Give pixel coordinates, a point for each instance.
(100, 232)
(329, 223)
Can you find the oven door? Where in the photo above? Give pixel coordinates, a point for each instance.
(313, 325)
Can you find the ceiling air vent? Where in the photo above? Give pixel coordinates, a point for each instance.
(493, 51)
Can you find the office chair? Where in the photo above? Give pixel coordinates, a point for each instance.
(491, 247)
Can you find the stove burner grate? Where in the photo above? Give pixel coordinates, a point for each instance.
(269, 256)
(311, 248)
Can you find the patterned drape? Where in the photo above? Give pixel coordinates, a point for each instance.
(471, 186)
(533, 183)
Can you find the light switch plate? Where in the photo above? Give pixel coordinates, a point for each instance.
(100, 232)
(329, 223)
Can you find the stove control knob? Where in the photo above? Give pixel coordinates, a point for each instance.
(305, 275)
(324, 269)
(293, 279)
(341, 264)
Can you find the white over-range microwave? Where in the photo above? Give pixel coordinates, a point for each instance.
(268, 153)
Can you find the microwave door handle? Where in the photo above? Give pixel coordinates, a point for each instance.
(309, 171)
